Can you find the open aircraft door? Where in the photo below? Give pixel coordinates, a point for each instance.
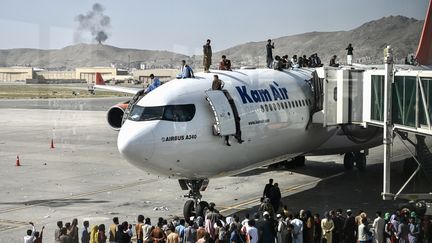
(225, 123)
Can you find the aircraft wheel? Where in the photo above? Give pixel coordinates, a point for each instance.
(188, 209)
(288, 164)
(201, 208)
(349, 161)
(300, 161)
(360, 161)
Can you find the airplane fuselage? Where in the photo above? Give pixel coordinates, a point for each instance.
(274, 108)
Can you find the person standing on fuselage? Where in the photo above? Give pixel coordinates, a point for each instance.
(207, 51)
(269, 49)
(349, 54)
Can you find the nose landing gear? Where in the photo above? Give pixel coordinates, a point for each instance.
(357, 158)
(195, 206)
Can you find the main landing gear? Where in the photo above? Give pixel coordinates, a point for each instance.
(357, 158)
(194, 206)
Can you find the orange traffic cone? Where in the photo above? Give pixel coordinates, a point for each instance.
(52, 143)
(18, 161)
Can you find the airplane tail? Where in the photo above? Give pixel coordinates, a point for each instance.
(424, 49)
(99, 79)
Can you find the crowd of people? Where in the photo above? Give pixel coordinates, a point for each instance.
(284, 62)
(270, 224)
(278, 63)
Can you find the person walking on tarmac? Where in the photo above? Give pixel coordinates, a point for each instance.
(267, 189)
(275, 197)
(207, 56)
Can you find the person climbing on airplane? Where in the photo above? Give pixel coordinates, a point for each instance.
(349, 54)
(207, 55)
(155, 82)
(333, 62)
(218, 85)
(185, 71)
(225, 64)
(269, 57)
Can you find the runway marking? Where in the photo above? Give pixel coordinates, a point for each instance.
(240, 206)
(79, 195)
(6, 224)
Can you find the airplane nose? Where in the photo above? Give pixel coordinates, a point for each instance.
(136, 142)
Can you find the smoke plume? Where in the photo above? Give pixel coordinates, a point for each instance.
(94, 22)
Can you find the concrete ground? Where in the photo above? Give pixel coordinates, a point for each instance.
(84, 176)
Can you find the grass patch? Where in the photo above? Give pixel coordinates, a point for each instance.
(48, 91)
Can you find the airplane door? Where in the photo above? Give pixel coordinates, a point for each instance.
(225, 123)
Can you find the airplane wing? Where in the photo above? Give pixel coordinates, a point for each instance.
(118, 89)
(100, 84)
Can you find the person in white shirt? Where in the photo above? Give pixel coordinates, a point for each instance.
(362, 235)
(147, 229)
(298, 229)
(246, 220)
(252, 232)
(378, 227)
(29, 238)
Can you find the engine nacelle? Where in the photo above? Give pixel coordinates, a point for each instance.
(115, 115)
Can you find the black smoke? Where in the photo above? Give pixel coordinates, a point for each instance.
(95, 22)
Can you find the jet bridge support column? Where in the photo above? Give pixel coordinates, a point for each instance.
(388, 125)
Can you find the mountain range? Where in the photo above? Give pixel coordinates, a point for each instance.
(368, 40)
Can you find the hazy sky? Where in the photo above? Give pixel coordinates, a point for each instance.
(183, 26)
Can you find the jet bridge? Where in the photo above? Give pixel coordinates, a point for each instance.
(396, 98)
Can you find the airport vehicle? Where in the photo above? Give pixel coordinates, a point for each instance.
(187, 131)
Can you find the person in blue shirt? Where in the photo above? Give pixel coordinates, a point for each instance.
(185, 71)
(155, 82)
(85, 236)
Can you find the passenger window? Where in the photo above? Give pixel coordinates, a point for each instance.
(262, 108)
(296, 104)
(266, 107)
(279, 106)
(289, 104)
(304, 104)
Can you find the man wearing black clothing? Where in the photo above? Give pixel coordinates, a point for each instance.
(349, 54)
(275, 197)
(269, 58)
(349, 228)
(267, 189)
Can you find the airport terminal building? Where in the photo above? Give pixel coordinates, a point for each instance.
(80, 75)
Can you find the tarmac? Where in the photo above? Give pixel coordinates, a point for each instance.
(85, 177)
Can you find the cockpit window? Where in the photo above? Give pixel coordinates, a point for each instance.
(176, 113)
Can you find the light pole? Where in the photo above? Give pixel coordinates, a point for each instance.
(128, 63)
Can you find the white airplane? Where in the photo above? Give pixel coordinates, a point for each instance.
(180, 129)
